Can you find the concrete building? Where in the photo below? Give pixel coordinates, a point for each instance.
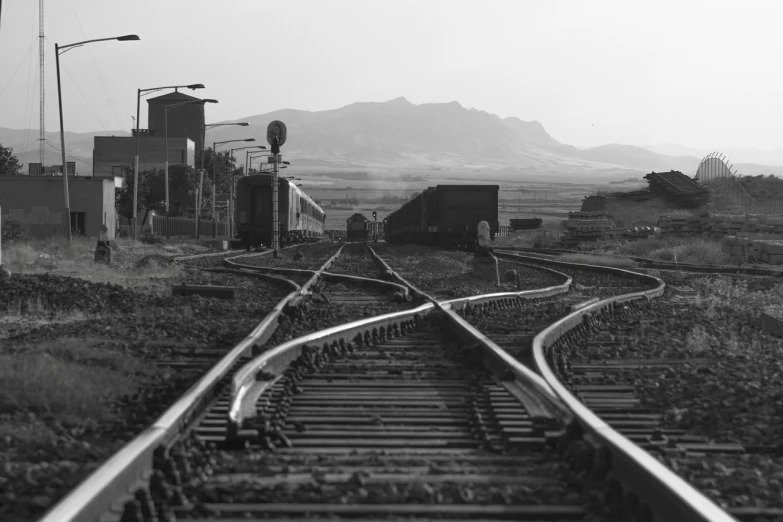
(185, 136)
(112, 153)
(184, 121)
(37, 202)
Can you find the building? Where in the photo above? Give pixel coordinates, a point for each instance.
(112, 153)
(185, 136)
(37, 202)
(37, 169)
(186, 121)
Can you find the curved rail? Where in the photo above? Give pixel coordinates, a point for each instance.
(96, 494)
(672, 497)
(645, 262)
(257, 375)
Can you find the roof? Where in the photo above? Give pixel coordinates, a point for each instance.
(172, 97)
(57, 177)
(675, 182)
(357, 216)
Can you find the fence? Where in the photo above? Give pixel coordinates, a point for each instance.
(184, 227)
(503, 230)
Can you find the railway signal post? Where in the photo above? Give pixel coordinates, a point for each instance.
(275, 136)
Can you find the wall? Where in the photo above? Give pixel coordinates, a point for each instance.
(110, 151)
(37, 203)
(184, 121)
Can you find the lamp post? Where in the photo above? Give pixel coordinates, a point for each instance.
(251, 157)
(192, 86)
(58, 50)
(166, 147)
(214, 168)
(230, 210)
(201, 174)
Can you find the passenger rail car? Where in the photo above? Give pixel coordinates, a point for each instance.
(357, 227)
(301, 219)
(446, 215)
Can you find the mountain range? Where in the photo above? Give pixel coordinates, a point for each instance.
(399, 134)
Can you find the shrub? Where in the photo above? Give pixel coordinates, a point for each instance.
(591, 259)
(12, 231)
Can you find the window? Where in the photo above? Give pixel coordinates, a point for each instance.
(116, 170)
(77, 223)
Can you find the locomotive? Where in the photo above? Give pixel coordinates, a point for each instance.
(445, 215)
(357, 227)
(362, 229)
(300, 218)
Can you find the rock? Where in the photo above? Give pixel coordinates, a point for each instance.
(510, 276)
(46, 261)
(103, 253)
(486, 268)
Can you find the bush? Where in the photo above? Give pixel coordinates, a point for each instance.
(12, 231)
(590, 259)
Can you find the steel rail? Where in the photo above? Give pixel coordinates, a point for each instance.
(646, 262)
(404, 290)
(669, 496)
(113, 480)
(254, 377)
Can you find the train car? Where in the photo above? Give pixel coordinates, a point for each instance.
(301, 220)
(357, 226)
(445, 215)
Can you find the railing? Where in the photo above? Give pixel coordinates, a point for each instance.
(503, 230)
(186, 227)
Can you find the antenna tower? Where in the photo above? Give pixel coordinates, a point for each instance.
(42, 126)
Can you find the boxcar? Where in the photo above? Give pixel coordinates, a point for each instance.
(357, 228)
(446, 215)
(300, 218)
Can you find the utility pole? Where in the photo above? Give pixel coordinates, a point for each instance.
(42, 124)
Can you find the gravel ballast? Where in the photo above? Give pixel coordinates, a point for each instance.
(448, 274)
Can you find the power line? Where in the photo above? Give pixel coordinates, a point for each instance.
(111, 103)
(58, 149)
(28, 109)
(85, 98)
(17, 69)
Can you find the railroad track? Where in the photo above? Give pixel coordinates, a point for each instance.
(483, 451)
(643, 262)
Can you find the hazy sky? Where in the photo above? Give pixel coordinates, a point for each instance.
(697, 73)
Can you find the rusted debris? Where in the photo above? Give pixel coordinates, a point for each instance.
(219, 292)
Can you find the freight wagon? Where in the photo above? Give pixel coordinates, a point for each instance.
(300, 218)
(446, 215)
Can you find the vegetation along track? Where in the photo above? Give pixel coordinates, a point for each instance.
(142, 349)
(708, 409)
(396, 365)
(301, 308)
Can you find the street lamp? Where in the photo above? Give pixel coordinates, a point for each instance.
(58, 50)
(192, 86)
(251, 157)
(201, 176)
(214, 167)
(166, 147)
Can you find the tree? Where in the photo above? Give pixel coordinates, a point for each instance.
(9, 164)
(183, 186)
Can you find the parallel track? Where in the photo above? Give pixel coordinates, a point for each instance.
(373, 384)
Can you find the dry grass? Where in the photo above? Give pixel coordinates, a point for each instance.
(644, 214)
(696, 250)
(71, 380)
(77, 260)
(592, 259)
